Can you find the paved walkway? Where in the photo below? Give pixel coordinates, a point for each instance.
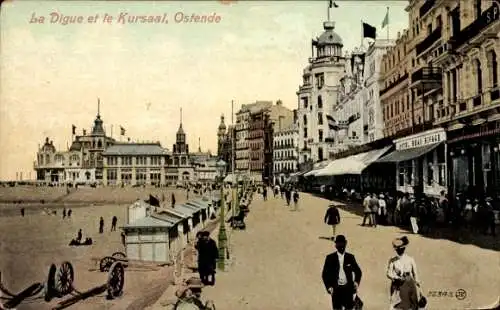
(277, 262)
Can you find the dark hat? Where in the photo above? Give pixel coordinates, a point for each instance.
(205, 233)
(340, 239)
(400, 242)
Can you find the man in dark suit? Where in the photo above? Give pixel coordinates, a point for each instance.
(341, 276)
(332, 217)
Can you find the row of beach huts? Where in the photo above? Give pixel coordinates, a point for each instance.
(158, 234)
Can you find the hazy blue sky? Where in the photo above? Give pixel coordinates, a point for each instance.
(52, 74)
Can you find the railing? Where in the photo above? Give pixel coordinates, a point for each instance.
(487, 18)
(286, 146)
(394, 84)
(428, 41)
(427, 74)
(426, 7)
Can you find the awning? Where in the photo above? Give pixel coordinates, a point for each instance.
(354, 164)
(317, 168)
(408, 154)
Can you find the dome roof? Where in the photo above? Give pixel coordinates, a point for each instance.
(329, 37)
(76, 146)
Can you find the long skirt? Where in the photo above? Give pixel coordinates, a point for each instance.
(404, 295)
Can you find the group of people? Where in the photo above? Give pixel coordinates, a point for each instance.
(342, 278)
(114, 221)
(286, 192)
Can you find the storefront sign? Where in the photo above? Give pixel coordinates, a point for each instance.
(424, 139)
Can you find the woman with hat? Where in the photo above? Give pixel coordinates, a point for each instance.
(402, 271)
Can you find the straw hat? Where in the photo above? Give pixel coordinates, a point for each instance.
(381, 196)
(400, 242)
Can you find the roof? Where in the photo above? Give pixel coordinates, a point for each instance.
(197, 205)
(172, 212)
(329, 37)
(256, 107)
(135, 149)
(149, 222)
(167, 218)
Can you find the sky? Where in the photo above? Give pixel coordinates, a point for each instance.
(51, 75)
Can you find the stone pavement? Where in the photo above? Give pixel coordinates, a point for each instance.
(277, 262)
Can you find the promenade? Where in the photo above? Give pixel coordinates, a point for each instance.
(277, 262)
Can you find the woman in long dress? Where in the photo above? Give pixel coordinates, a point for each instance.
(402, 271)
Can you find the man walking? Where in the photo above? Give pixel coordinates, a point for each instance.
(101, 225)
(173, 200)
(207, 257)
(332, 218)
(338, 277)
(367, 210)
(374, 206)
(296, 199)
(288, 196)
(114, 220)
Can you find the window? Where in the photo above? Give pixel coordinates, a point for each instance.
(477, 8)
(430, 168)
(401, 176)
(479, 76)
(305, 132)
(354, 134)
(493, 65)
(441, 165)
(320, 80)
(320, 154)
(320, 118)
(305, 120)
(320, 102)
(305, 102)
(320, 135)
(439, 22)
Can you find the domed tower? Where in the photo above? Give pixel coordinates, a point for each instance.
(98, 129)
(221, 134)
(329, 43)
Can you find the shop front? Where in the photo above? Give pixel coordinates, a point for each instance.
(421, 162)
(474, 161)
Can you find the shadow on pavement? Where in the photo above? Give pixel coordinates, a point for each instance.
(460, 235)
(326, 238)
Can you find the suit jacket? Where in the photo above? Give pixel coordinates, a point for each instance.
(331, 270)
(332, 216)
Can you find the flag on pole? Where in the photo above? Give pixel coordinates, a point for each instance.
(73, 127)
(333, 4)
(369, 31)
(332, 124)
(385, 22)
(122, 131)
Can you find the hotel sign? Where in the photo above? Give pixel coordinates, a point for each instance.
(424, 139)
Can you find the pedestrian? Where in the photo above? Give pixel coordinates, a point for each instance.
(288, 196)
(207, 258)
(69, 213)
(337, 275)
(402, 271)
(489, 214)
(264, 193)
(173, 200)
(64, 213)
(445, 206)
(101, 225)
(382, 210)
(374, 207)
(114, 220)
(367, 210)
(123, 238)
(187, 193)
(22, 212)
(79, 235)
(332, 217)
(296, 199)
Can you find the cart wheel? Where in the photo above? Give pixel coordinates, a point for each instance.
(64, 279)
(116, 280)
(106, 263)
(50, 286)
(119, 255)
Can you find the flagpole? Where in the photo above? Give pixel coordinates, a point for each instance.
(387, 23)
(361, 45)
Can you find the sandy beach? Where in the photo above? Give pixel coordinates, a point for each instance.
(28, 245)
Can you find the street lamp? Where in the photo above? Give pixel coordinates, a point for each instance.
(222, 229)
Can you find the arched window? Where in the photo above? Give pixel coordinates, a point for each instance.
(99, 144)
(479, 76)
(320, 102)
(47, 159)
(320, 154)
(305, 119)
(493, 65)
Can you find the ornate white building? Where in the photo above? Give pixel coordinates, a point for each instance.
(317, 96)
(285, 152)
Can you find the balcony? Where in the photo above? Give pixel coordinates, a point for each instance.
(394, 84)
(428, 41)
(488, 17)
(426, 7)
(429, 77)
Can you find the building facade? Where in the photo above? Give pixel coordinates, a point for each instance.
(135, 164)
(317, 96)
(285, 152)
(81, 163)
(466, 35)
